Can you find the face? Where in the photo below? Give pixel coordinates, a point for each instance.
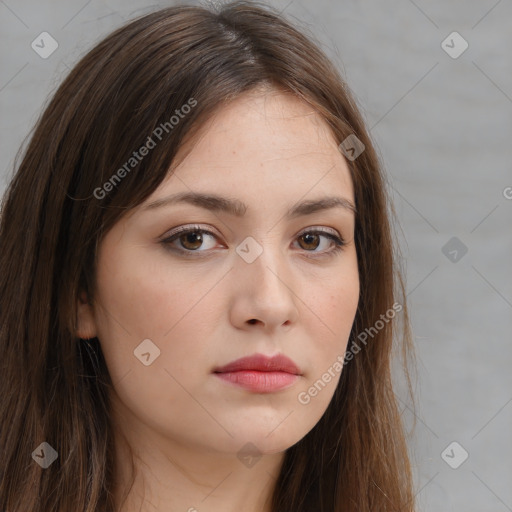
(173, 307)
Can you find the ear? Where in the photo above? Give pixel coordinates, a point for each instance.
(86, 325)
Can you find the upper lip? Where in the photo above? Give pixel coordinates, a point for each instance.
(262, 363)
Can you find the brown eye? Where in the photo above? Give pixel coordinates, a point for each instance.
(191, 240)
(315, 239)
(312, 241)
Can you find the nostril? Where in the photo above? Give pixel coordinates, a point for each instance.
(252, 321)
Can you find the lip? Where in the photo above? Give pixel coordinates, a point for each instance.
(260, 373)
(261, 363)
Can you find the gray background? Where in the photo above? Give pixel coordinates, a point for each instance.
(443, 128)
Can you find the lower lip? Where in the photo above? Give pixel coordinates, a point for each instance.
(260, 382)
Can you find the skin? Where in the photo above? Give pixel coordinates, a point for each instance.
(185, 425)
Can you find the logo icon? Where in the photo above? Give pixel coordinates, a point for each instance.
(249, 249)
(454, 455)
(249, 455)
(146, 352)
(352, 147)
(454, 249)
(454, 45)
(44, 455)
(44, 45)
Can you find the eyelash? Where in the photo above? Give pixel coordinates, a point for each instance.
(339, 243)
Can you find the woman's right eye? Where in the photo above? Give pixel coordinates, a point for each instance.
(189, 240)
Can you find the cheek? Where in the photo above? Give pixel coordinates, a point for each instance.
(337, 313)
(335, 305)
(156, 312)
(334, 302)
(144, 296)
(141, 301)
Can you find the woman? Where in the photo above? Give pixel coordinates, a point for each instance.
(198, 291)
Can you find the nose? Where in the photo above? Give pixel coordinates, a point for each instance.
(264, 292)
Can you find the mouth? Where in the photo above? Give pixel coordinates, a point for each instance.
(260, 373)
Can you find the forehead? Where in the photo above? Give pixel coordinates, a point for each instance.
(287, 125)
(263, 142)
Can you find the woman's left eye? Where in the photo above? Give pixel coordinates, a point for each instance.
(193, 237)
(313, 237)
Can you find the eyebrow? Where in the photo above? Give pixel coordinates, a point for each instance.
(237, 208)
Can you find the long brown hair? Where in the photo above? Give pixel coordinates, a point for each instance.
(55, 387)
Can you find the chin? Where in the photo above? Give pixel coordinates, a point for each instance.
(265, 440)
